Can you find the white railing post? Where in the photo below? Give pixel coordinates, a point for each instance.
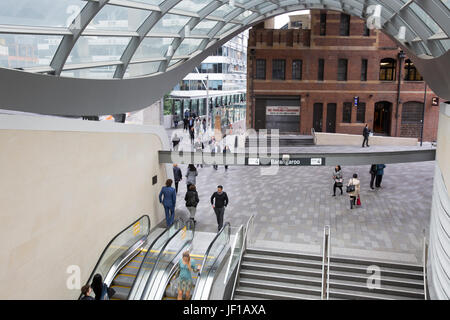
(325, 263)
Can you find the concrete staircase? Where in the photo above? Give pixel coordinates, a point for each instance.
(268, 274)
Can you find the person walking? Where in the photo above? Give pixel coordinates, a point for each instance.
(219, 201)
(204, 125)
(101, 290)
(373, 174)
(176, 142)
(213, 152)
(338, 179)
(175, 120)
(192, 201)
(366, 133)
(185, 282)
(186, 119)
(86, 291)
(192, 134)
(353, 189)
(197, 126)
(226, 150)
(380, 173)
(191, 175)
(168, 197)
(177, 175)
(190, 123)
(198, 147)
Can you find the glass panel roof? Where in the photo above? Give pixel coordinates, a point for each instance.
(124, 32)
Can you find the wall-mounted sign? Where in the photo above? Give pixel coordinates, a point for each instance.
(435, 101)
(282, 111)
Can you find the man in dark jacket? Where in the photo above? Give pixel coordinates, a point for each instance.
(373, 174)
(366, 133)
(177, 175)
(219, 205)
(380, 172)
(168, 197)
(192, 201)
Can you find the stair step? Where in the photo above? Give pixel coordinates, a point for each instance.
(385, 280)
(387, 264)
(280, 278)
(385, 271)
(124, 280)
(284, 287)
(384, 289)
(282, 269)
(282, 261)
(257, 294)
(352, 295)
(294, 255)
(121, 292)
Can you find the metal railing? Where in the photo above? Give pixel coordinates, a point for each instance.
(244, 247)
(425, 261)
(325, 295)
(122, 248)
(200, 292)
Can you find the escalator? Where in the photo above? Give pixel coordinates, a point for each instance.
(131, 254)
(208, 263)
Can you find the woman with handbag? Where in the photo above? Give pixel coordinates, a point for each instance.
(353, 189)
(338, 180)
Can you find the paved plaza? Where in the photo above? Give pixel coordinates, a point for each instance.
(292, 207)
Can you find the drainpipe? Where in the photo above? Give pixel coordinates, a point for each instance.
(401, 56)
(423, 114)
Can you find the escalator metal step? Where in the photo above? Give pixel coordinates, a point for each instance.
(121, 292)
(124, 280)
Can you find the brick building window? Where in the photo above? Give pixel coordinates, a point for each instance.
(344, 29)
(412, 112)
(342, 69)
(347, 112)
(411, 73)
(297, 69)
(361, 113)
(387, 69)
(364, 64)
(260, 69)
(323, 24)
(366, 32)
(278, 69)
(321, 68)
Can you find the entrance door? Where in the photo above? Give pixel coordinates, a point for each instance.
(318, 117)
(382, 118)
(331, 117)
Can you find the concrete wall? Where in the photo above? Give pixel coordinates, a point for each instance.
(439, 238)
(337, 139)
(67, 187)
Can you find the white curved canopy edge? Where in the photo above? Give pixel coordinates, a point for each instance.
(57, 95)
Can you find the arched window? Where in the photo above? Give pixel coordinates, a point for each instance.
(387, 69)
(411, 73)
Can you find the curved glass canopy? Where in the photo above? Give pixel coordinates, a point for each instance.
(115, 39)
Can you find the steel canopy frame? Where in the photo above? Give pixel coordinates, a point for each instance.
(51, 94)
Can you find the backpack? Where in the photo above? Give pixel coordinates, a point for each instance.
(104, 294)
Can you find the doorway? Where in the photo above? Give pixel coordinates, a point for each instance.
(331, 117)
(382, 118)
(317, 117)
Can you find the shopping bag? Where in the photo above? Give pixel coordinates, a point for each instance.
(358, 202)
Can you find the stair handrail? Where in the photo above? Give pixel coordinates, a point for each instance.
(424, 266)
(244, 247)
(325, 263)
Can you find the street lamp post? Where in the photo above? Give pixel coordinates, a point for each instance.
(207, 102)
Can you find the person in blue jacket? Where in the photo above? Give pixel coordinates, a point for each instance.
(380, 173)
(168, 197)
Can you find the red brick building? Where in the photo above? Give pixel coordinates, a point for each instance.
(318, 73)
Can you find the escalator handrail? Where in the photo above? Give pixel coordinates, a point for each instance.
(205, 258)
(145, 216)
(148, 251)
(161, 254)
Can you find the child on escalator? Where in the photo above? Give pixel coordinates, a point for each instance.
(185, 282)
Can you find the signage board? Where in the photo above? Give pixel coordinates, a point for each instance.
(282, 111)
(435, 101)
